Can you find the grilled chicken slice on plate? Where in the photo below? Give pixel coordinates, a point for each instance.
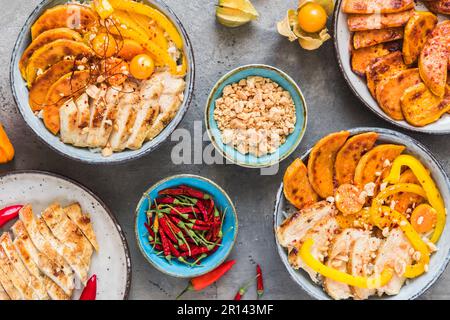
(362, 254)
(338, 259)
(33, 282)
(297, 225)
(8, 287)
(83, 221)
(393, 253)
(321, 233)
(68, 233)
(3, 294)
(22, 243)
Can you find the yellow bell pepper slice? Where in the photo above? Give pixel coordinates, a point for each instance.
(159, 17)
(103, 8)
(336, 275)
(6, 148)
(154, 32)
(432, 192)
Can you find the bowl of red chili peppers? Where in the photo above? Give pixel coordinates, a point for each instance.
(186, 225)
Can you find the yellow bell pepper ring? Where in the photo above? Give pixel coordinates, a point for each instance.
(336, 275)
(103, 8)
(432, 192)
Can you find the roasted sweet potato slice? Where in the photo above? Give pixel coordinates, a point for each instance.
(362, 58)
(417, 31)
(361, 22)
(40, 88)
(383, 68)
(296, 186)
(43, 39)
(374, 162)
(390, 90)
(439, 6)
(130, 49)
(68, 86)
(421, 107)
(349, 155)
(405, 200)
(321, 163)
(376, 6)
(364, 39)
(72, 16)
(434, 59)
(51, 53)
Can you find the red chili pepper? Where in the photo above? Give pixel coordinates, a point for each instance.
(184, 191)
(90, 291)
(9, 213)
(201, 282)
(259, 281)
(166, 230)
(165, 245)
(243, 289)
(202, 210)
(171, 200)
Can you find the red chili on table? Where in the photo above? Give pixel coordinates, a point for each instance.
(90, 291)
(259, 281)
(9, 213)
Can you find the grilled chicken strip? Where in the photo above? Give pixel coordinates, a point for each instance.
(394, 253)
(321, 233)
(3, 294)
(8, 286)
(169, 101)
(83, 221)
(21, 243)
(25, 292)
(68, 233)
(66, 278)
(83, 117)
(34, 283)
(68, 118)
(297, 225)
(362, 254)
(80, 268)
(338, 259)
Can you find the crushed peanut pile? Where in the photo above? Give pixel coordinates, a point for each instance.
(255, 115)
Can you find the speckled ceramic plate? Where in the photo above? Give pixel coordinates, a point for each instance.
(112, 263)
(439, 259)
(342, 42)
(292, 141)
(20, 93)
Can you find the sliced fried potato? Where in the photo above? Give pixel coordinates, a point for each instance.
(40, 88)
(321, 163)
(383, 68)
(421, 107)
(417, 31)
(434, 59)
(68, 86)
(43, 39)
(376, 6)
(296, 186)
(361, 22)
(51, 53)
(364, 39)
(374, 162)
(439, 6)
(362, 58)
(72, 16)
(390, 90)
(405, 200)
(349, 155)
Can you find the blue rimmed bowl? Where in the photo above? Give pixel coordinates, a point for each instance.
(292, 141)
(230, 226)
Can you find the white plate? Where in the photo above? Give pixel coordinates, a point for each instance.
(342, 42)
(112, 263)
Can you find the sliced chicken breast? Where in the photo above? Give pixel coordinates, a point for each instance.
(83, 118)
(34, 283)
(3, 294)
(8, 286)
(68, 233)
(321, 233)
(83, 221)
(297, 225)
(338, 259)
(393, 253)
(68, 114)
(97, 107)
(362, 254)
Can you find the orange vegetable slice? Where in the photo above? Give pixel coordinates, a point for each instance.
(349, 199)
(6, 148)
(296, 186)
(424, 218)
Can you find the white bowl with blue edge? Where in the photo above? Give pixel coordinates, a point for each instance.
(292, 141)
(229, 228)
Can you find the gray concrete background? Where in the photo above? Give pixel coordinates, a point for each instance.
(217, 49)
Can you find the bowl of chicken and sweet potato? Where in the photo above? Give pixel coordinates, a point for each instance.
(362, 215)
(102, 81)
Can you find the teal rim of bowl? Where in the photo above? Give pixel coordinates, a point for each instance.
(292, 141)
(201, 270)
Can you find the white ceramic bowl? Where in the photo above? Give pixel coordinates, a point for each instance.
(439, 259)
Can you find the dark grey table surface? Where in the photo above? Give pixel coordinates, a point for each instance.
(217, 49)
